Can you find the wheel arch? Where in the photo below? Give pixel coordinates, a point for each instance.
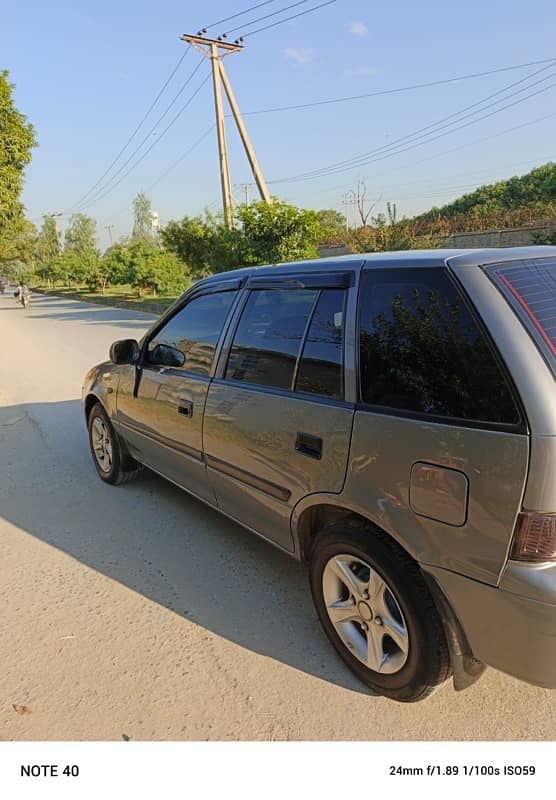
(315, 512)
(90, 400)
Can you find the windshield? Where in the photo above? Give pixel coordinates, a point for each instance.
(530, 288)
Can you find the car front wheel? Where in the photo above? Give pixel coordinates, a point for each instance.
(110, 463)
(376, 610)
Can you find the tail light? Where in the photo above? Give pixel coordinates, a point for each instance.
(534, 538)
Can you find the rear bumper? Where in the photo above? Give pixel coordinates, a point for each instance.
(506, 628)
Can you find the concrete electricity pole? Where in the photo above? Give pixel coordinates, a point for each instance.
(109, 229)
(216, 49)
(349, 199)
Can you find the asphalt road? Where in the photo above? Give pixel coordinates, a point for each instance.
(136, 612)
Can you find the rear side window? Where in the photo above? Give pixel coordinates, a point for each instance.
(530, 288)
(321, 367)
(291, 339)
(268, 339)
(421, 350)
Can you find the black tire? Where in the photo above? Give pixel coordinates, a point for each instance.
(427, 663)
(122, 468)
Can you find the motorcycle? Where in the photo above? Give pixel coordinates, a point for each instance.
(24, 298)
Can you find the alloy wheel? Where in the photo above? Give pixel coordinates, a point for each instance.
(365, 614)
(101, 440)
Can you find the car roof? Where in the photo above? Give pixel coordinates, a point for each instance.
(399, 258)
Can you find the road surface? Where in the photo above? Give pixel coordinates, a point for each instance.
(137, 612)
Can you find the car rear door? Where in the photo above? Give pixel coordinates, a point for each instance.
(277, 423)
(440, 447)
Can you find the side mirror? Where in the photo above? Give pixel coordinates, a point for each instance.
(165, 356)
(125, 351)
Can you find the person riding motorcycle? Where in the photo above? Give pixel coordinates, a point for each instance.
(22, 293)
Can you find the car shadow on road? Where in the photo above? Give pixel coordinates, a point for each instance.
(159, 541)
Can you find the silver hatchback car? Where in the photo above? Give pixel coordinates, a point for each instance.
(389, 419)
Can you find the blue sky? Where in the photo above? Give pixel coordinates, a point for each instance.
(86, 74)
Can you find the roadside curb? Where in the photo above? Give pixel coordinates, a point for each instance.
(148, 308)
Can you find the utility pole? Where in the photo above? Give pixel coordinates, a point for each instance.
(109, 229)
(349, 199)
(221, 130)
(216, 49)
(245, 187)
(255, 168)
(55, 215)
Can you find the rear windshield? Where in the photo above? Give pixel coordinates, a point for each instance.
(530, 288)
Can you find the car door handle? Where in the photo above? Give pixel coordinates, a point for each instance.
(309, 445)
(185, 408)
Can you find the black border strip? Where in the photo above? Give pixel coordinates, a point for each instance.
(272, 489)
(170, 444)
(333, 280)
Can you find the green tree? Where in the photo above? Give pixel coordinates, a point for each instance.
(142, 219)
(333, 226)
(25, 244)
(113, 268)
(275, 232)
(155, 271)
(204, 244)
(17, 139)
(80, 256)
(81, 236)
(17, 270)
(55, 271)
(508, 203)
(48, 247)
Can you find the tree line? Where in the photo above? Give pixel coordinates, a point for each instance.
(166, 261)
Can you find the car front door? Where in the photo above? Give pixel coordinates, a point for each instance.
(277, 425)
(160, 404)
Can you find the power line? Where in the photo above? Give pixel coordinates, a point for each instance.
(451, 150)
(287, 19)
(267, 16)
(418, 144)
(133, 135)
(470, 144)
(181, 158)
(486, 176)
(239, 14)
(145, 154)
(149, 133)
(369, 157)
(460, 147)
(397, 89)
(421, 132)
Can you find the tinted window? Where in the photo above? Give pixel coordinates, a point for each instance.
(321, 367)
(269, 335)
(531, 289)
(195, 330)
(421, 350)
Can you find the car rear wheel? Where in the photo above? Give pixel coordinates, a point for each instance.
(111, 464)
(376, 610)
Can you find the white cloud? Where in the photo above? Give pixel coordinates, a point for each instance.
(360, 72)
(302, 56)
(358, 28)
